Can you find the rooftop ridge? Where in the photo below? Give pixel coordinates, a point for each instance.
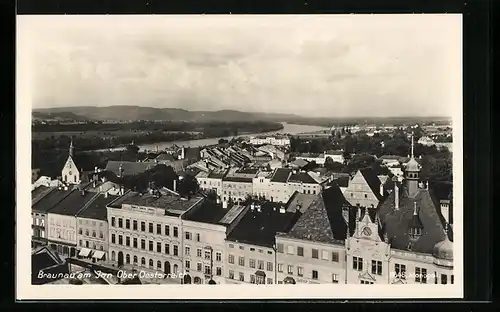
(87, 204)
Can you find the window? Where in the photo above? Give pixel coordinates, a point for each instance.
(87, 232)
(143, 244)
(314, 274)
(357, 263)
(158, 229)
(127, 241)
(176, 250)
(120, 240)
(197, 237)
(151, 263)
(231, 274)
(324, 255)
(420, 275)
(134, 225)
(241, 261)
(112, 238)
(300, 270)
(280, 248)
(120, 222)
(252, 249)
(231, 246)
(242, 277)
(113, 255)
(158, 247)
(188, 264)
(300, 251)
(315, 254)
(176, 232)
(143, 261)
(127, 259)
(187, 251)
(112, 221)
(167, 230)
(261, 251)
(150, 227)
(252, 263)
(158, 264)
(207, 270)
(143, 226)
(218, 256)
(135, 259)
(376, 267)
(230, 259)
(135, 242)
(218, 271)
(335, 256)
(252, 279)
(260, 265)
(451, 279)
(366, 195)
(101, 234)
(366, 282)
(167, 249)
(127, 223)
(241, 247)
(290, 250)
(207, 255)
(280, 267)
(80, 231)
(188, 235)
(400, 270)
(444, 279)
(335, 278)
(270, 266)
(198, 266)
(269, 281)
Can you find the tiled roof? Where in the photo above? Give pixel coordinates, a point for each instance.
(281, 175)
(46, 203)
(72, 203)
(373, 181)
(302, 177)
(38, 193)
(129, 167)
(97, 209)
(238, 179)
(396, 222)
(208, 212)
(322, 221)
(48, 261)
(333, 152)
(260, 228)
(165, 156)
(300, 162)
(165, 201)
(300, 201)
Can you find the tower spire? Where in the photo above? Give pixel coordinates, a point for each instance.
(412, 156)
(71, 148)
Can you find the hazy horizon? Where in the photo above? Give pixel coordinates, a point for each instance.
(311, 66)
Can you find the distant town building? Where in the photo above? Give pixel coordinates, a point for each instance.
(278, 141)
(426, 141)
(71, 173)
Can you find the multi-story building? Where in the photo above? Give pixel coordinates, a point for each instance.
(278, 141)
(274, 152)
(211, 180)
(238, 184)
(261, 183)
(42, 200)
(62, 221)
(145, 230)
(250, 246)
(313, 250)
(336, 156)
(365, 189)
(204, 232)
(92, 224)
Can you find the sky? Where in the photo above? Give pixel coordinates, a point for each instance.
(310, 65)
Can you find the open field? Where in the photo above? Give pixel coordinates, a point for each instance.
(92, 134)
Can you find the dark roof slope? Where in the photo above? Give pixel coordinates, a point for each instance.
(97, 208)
(38, 193)
(260, 228)
(323, 221)
(302, 177)
(129, 167)
(73, 203)
(281, 175)
(208, 212)
(396, 223)
(48, 261)
(46, 203)
(373, 181)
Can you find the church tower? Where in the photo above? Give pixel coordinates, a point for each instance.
(70, 173)
(412, 174)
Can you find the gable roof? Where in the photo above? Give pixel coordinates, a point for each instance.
(38, 193)
(373, 181)
(97, 208)
(300, 201)
(322, 221)
(302, 177)
(165, 156)
(396, 223)
(47, 202)
(73, 203)
(281, 175)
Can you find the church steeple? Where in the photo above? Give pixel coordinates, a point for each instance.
(412, 173)
(71, 148)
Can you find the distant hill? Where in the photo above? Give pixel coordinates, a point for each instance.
(135, 113)
(64, 115)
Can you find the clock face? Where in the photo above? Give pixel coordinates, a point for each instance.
(367, 231)
(70, 173)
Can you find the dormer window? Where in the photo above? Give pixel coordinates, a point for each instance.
(415, 233)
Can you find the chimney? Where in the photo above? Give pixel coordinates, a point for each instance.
(65, 187)
(175, 186)
(105, 194)
(258, 208)
(224, 204)
(121, 190)
(396, 196)
(183, 153)
(83, 192)
(94, 183)
(218, 199)
(95, 169)
(445, 210)
(282, 210)
(381, 189)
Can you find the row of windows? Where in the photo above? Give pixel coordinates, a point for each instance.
(94, 233)
(199, 253)
(299, 251)
(59, 222)
(38, 221)
(143, 262)
(300, 272)
(251, 263)
(166, 250)
(254, 279)
(151, 227)
(94, 246)
(62, 234)
(200, 267)
(357, 264)
(251, 249)
(89, 222)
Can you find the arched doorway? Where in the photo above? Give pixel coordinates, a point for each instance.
(175, 268)
(187, 279)
(167, 267)
(120, 259)
(197, 280)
